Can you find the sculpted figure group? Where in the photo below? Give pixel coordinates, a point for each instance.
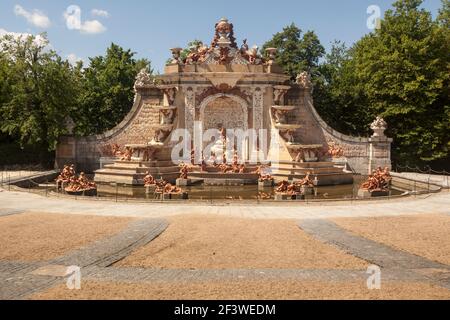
(162, 186)
(73, 182)
(149, 180)
(165, 187)
(335, 151)
(184, 171)
(116, 150)
(379, 180)
(263, 176)
(295, 188)
(67, 173)
(223, 48)
(235, 167)
(126, 156)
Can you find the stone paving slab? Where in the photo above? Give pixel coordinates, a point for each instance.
(374, 252)
(21, 286)
(110, 250)
(10, 212)
(175, 275)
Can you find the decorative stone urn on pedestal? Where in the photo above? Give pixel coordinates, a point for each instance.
(378, 127)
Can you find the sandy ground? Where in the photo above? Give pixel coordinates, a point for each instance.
(276, 290)
(427, 235)
(212, 242)
(40, 236)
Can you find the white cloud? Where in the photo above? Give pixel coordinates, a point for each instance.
(36, 18)
(39, 40)
(100, 13)
(92, 27)
(73, 59)
(73, 21)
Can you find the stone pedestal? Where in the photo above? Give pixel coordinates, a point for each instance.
(307, 190)
(265, 184)
(363, 193)
(183, 182)
(150, 189)
(180, 196)
(381, 193)
(173, 196)
(282, 197)
(286, 197)
(299, 197)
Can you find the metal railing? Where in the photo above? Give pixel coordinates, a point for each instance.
(428, 175)
(122, 193)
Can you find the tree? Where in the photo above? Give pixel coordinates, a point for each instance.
(107, 89)
(402, 71)
(296, 53)
(444, 14)
(36, 92)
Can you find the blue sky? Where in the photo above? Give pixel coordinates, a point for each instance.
(150, 28)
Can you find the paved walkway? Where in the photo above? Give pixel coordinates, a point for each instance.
(19, 280)
(377, 253)
(426, 204)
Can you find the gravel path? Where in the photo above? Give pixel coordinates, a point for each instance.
(19, 279)
(427, 235)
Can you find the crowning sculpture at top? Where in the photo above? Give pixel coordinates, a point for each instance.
(223, 49)
(232, 87)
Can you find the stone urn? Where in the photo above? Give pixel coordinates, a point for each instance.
(378, 127)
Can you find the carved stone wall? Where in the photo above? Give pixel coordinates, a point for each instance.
(248, 105)
(363, 154)
(137, 127)
(224, 110)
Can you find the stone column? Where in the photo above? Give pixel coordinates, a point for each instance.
(380, 153)
(380, 146)
(258, 108)
(189, 111)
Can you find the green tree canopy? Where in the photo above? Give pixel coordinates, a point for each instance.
(402, 70)
(107, 94)
(335, 95)
(297, 52)
(37, 91)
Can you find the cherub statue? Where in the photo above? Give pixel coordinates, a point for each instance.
(282, 187)
(304, 79)
(167, 116)
(184, 171)
(306, 181)
(127, 154)
(252, 55)
(244, 47)
(149, 180)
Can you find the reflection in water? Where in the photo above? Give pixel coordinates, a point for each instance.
(204, 192)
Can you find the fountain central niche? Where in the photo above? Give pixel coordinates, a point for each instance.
(224, 111)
